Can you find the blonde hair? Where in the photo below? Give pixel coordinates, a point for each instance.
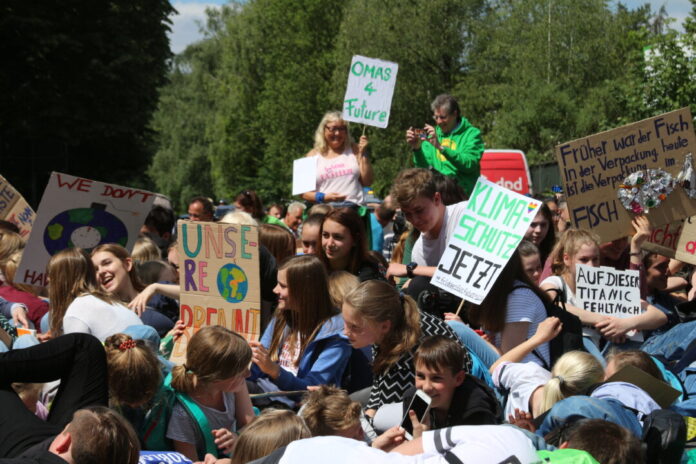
(573, 374)
(320, 144)
(570, 242)
(214, 353)
(268, 432)
(134, 370)
(239, 217)
(377, 301)
(71, 274)
(341, 283)
(329, 411)
(145, 249)
(8, 267)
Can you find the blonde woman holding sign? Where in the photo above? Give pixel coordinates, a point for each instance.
(343, 168)
(582, 247)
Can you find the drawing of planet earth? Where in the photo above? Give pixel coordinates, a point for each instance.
(232, 283)
(84, 228)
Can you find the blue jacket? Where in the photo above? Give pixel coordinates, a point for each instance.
(323, 361)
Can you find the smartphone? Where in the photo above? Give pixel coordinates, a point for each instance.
(420, 404)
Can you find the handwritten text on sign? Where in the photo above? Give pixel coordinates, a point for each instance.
(485, 238)
(83, 213)
(219, 278)
(594, 167)
(608, 291)
(15, 209)
(370, 89)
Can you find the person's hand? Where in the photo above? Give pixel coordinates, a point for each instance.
(418, 427)
(523, 420)
(643, 232)
(396, 270)
(432, 136)
(613, 327)
(390, 439)
(692, 293)
(19, 315)
(44, 337)
(139, 303)
(224, 439)
(259, 355)
(362, 144)
(178, 330)
(452, 317)
(413, 139)
(333, 197)
(210, 459)
(548, 329)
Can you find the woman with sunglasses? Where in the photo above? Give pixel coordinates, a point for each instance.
(453, 147)
(343, 168)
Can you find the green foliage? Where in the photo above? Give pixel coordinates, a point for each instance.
(529, 73)
(78, 84)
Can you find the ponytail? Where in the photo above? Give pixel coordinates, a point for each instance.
(184, 380)
(134, 370)
(573, 374)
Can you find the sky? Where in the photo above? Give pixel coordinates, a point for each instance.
(186, 24)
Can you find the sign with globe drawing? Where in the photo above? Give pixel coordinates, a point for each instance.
(84, 213)
(219, 278)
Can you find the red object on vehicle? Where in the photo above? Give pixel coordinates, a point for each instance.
(507, 168)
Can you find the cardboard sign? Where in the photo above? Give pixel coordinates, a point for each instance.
(77, 212)
(488, 233)
(219, 278)
(304, 175)
(14, 208)
(594, 168)
(662, 392)
(608, 291)
(675, 240)
(370, 89)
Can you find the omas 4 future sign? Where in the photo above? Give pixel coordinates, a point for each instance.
(370, 90)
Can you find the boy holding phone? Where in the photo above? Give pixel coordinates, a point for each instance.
(456, 397)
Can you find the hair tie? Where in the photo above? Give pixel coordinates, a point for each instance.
(561, 380)
(188, 371)
(127, 345)
(401, 297)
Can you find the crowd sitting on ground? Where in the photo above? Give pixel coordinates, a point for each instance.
(352, 332)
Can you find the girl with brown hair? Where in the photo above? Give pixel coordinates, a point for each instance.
(217, 362)
(303, 345)
(377, 315)
(78, 304)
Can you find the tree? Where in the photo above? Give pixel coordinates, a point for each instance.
(78, 86)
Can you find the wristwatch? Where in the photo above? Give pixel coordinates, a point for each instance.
(409, 269)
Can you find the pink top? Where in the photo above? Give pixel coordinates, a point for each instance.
(340, 175)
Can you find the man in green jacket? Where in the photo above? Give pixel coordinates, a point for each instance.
(453, 147)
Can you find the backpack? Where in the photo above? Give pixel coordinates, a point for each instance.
(664, 434)
(153, 433)
(570, 338)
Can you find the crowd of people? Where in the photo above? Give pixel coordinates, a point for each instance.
(352, 331)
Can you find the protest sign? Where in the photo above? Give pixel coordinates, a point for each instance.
(611, 176)
(304, 175)
(77, 212)
(608, 291)
(370, 89)
(15, 209)
(488, 232)
(674, 240)
(686, 245)
(219, 278)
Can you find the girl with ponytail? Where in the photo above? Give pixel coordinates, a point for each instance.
(217, 362)
(377, 315)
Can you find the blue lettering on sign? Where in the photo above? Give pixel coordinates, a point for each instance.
(592, 215)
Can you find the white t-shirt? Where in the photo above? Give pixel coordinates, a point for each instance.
(478, 444)
(340, 175)
(89, 314)
(523, 305)
(427, 252)
(519, 380)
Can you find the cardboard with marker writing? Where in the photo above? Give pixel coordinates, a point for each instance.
(594, 169)
(84, 213)
(660, 391)
(219, 278)
(486, 236)
(15, 209)
(675, 240)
